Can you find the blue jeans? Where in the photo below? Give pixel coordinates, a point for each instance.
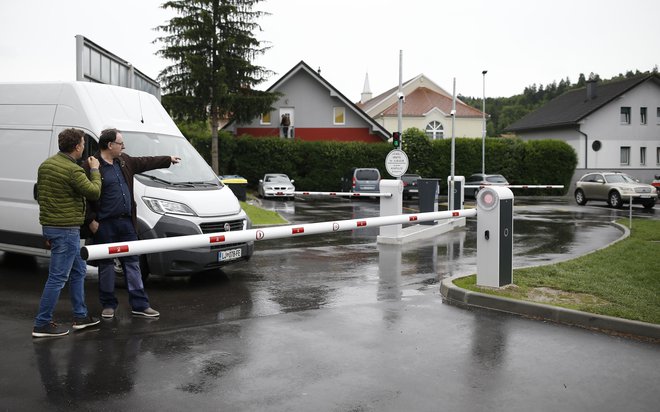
(65, 264)
(120, 230)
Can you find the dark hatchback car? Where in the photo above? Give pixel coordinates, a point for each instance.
(410, 185)
(479, 179)
(361, 179)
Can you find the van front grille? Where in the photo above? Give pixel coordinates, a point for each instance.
(215, 227)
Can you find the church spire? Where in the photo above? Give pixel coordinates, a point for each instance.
(366, 90)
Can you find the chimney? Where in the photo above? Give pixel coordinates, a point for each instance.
(591, 89)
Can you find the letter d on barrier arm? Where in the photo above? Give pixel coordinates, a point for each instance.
(494, 236)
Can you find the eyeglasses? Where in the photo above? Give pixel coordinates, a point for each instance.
(120, 143)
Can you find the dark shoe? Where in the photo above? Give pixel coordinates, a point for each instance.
(147, 313)
(82, 323)
(108, 313)
(48, 330)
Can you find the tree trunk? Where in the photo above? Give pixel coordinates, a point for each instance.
(215, 155)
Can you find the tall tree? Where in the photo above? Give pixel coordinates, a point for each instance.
(212, 45)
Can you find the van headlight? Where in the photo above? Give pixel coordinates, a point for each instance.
(163, 207)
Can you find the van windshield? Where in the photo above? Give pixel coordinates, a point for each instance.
(191, 169)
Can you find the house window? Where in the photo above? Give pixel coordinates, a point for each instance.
(339, 115)
(657, 155)
(642, 156)
(265, 118)
(434, 130)
(625, 115)
(642, 115)
(625, 155)
(657, 115)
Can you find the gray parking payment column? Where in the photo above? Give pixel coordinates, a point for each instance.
(458, 198)
(494, 236)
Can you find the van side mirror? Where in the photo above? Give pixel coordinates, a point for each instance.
(34, 192)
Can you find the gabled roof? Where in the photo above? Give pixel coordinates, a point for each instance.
(302, 66)
(419, 100)
(423, 100)
(571, 107)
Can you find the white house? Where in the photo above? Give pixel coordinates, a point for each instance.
(611, 126)
(426, 106)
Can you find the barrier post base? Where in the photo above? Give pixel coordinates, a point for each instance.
(420, 232)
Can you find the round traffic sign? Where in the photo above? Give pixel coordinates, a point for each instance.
(396, 163)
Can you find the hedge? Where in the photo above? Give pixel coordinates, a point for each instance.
(319, 166)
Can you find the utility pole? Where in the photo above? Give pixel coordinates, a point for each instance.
(483, 132)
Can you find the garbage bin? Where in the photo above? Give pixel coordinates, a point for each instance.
(429, 190)
(237, 184)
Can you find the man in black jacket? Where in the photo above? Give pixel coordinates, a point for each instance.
(113, 219)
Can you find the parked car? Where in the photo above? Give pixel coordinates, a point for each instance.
(480, 179)
(410, 185)
(361, 179)
(615, 188)
(276, 185)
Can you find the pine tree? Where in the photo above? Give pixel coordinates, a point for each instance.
(212, 45)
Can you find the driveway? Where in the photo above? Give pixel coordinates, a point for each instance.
(331, 323)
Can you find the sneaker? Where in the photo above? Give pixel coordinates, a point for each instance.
(50, 329)
(108, 313)
(147, 313)
(82, 323)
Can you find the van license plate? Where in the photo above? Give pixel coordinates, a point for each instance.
(230, 254)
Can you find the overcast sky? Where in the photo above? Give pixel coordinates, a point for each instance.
(519, 42)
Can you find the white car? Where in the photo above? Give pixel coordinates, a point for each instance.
(276, 185)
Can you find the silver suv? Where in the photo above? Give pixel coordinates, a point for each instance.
(615, 188)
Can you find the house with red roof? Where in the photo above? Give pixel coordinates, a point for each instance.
(426, 106)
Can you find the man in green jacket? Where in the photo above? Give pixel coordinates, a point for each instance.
(62, 187)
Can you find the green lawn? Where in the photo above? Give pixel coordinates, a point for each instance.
(260, 216)
(622, 280)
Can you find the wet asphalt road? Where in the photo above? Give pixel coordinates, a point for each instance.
(331, 323)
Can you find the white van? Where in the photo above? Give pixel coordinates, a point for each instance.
(185, 199)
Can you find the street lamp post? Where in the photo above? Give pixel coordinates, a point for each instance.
(483, 131)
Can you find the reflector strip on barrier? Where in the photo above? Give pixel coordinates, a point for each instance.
(140, 247)
(345, 194)
(113, 250)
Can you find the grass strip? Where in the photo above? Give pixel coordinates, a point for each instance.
(622, 280)
(260, 216)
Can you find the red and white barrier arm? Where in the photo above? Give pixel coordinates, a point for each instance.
(344, 194)
(139, 247)
(517, 186)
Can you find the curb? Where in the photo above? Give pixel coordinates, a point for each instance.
(460, 297)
